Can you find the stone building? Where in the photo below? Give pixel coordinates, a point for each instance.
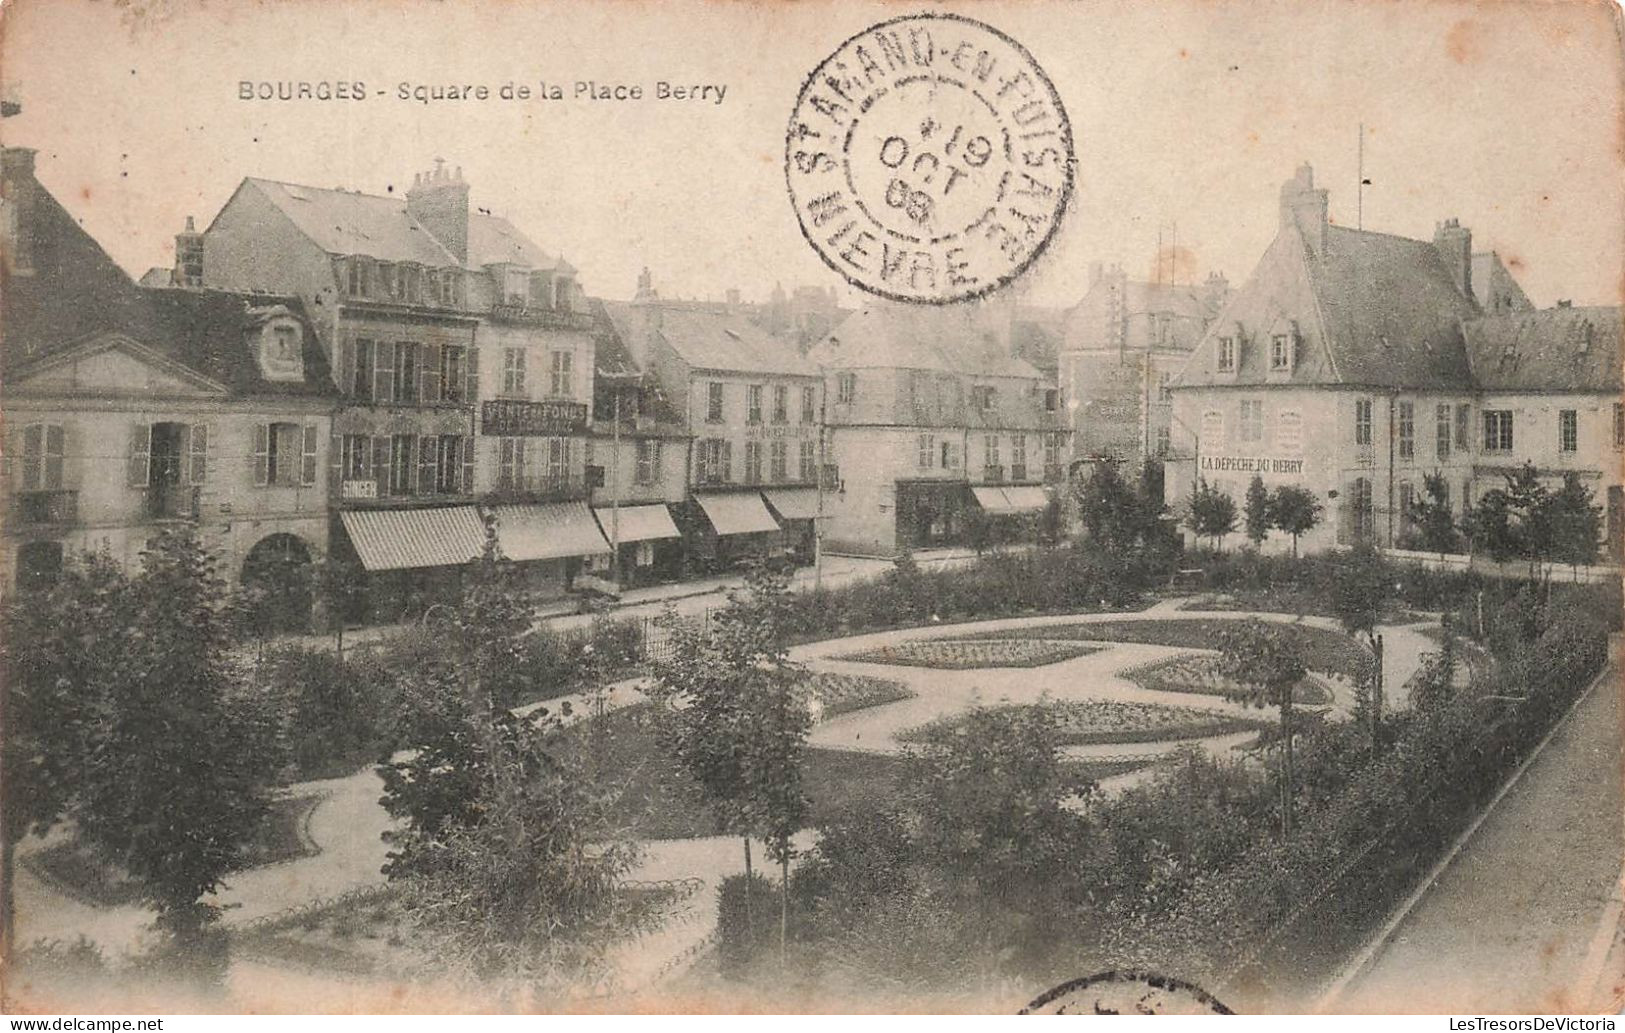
(934, 429)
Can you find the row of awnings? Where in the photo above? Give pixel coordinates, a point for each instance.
(399, 539)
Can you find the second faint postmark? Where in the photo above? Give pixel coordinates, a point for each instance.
(929, 159)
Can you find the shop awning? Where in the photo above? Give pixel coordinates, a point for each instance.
(637, 523)
(400, 539)
(992, 498)
(1024, 498)
(793, 503)
(548, 531)
(742, 513)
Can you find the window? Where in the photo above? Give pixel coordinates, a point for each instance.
(1252, 420)
(1052, 449)
(563, 384)
(713, 402)
(1165, 391)
(1362, 421)
(1289, 433)
(1227, 354)
(406, 371)
(1165, 441)
(982, 396)
(453, 370)
(511, 464)
(42, 457)
(1362, 515)
(648, 464)
(990, 451)
(402, 470)
(1280, 353)
(753, 403)
(356, 457)
(558, 462)
(515, 285)
(365, 353)
(781, 403)
(947, 399)
(199, 449)
(779, 461)
(284, 454)
(1464, 424)
(716, 462)
(357, 284)
(809, 405)
(809, 461)
(926, 451)
(1497, 430)
(950, 457)
(513, 371)
(1212, 430)
(449, 461)
(846, 388)
(1568, 430)
(1407, 430)
(411, 284)
(1443, 424)
(1407, 506)
(1018, 456)
(383, 373)
(1052, 399)
(753, 462)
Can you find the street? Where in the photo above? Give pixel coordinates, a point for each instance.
(1519, 921)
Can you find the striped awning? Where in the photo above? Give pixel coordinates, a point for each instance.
(401, 539)
(793, 503)
(1025, 498)
(992, 498)
(742, 513)
(636, 523)
(548, 531)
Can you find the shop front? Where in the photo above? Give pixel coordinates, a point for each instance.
(650, 546)
(551, 542)
(797, 510)
(931, 514)
(733, 528)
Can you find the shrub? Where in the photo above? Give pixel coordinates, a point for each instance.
(337, 715)
(740, 942)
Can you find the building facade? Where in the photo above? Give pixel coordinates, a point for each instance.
(936, 434)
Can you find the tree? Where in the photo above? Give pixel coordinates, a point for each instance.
(1267, 668)
(1257, 512)
(1294, 510)
(1114, 514)
(1361, 583)
(1576, 522)
(1210, 513)
(736, 717)
(341, 584)
(1435, 523)
(1530, 504)
(1490, 527)
(179, 772)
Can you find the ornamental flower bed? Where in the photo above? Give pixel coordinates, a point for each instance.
(837, 694)
(972, 653)
(1095, 721)
(1199, 673)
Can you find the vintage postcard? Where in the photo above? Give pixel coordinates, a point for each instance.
(836, 506)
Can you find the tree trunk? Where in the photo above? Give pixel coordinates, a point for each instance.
(750, 926)
(784, 904)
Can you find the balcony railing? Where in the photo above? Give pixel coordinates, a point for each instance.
(50, 506)
(540, 315)
(992, 474)
(172, 502)
(563, 487)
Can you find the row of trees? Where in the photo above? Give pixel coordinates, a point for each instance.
(1523, 520)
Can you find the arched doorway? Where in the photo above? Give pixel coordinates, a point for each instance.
(278, 583)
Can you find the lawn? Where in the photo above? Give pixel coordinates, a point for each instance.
(1199, 674)
(1097, 721)
(1322, 648)
(963, 654)
(78, 871)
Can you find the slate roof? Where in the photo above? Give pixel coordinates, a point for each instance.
(953, 339)
(348, 222)
(708, 338)
(1555, 349)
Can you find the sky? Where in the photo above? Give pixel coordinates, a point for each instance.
(1186, 113)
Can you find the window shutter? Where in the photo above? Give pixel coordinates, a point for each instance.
(33, 456)
(335, 466)
(53, 455)
(380, 463)
(307, 471)
(428, 464)
(429, 373)
(468, 461)
(383, 376)
(727, 465)
(472, 392)
(140, 465)
(198, 453)
(261, 459)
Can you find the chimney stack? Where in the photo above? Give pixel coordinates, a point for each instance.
(1304, 207)
(1455, 245)
(188, 257)
(439, 200)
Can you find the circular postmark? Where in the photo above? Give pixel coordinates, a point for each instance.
(1126, 993)
(929, 159)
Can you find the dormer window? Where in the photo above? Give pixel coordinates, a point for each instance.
(541, 290)
(281, 350)
(360, 278)
(1227, 354)
(982, 397)
(516, 285)
(1281, 353)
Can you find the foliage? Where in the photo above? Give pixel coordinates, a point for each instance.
(1257, 511)
(1294, 510)
(336, 715)
(744, 931)
(1210, 513)
(1360, 588)
(1576, 522)
(1266, 669)
(1115, 515)
(1435, 529)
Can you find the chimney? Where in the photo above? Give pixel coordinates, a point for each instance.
(188, 257)
(1304, 207)
(439, 200)
(1455, 245)
(18, 187)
